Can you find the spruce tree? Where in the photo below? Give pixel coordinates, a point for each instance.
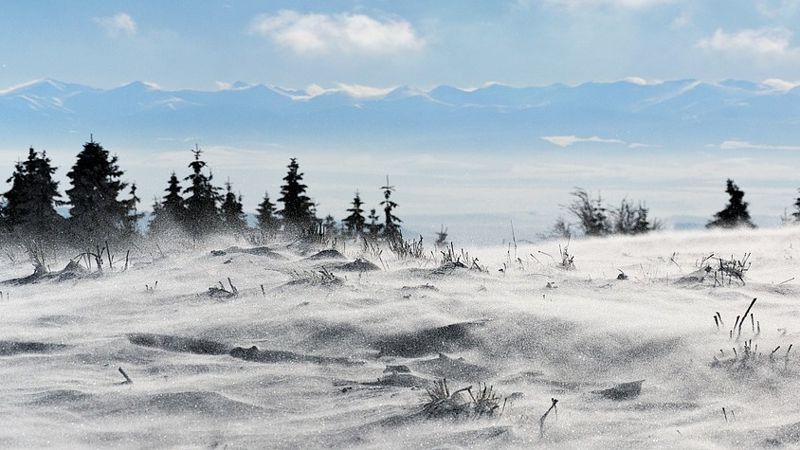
(170, 212)
(133, 217)
(354, 223)
(643, 223)
(157, 224)
(173, 202)
(232, 211)
(391, 224)
(329, 226)
(96, 214)
(591, 214)
(624, 218)
(298, 210)
(17, 198)
(267, 222)
(632, 219)
(735, 213)
(441, 237)
(374, 226)
(796, 213)
(202, 215)
(29, 210)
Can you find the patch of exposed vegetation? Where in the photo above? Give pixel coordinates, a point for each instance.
(442, 403)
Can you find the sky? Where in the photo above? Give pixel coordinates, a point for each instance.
(211, 44)
(205, 44)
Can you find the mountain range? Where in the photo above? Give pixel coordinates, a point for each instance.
(630, 114)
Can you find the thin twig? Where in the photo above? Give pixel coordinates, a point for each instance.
(127, 378)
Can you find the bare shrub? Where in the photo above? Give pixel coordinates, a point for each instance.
(732, 268)
(567, 260)
(452, 260)
(222, 291)
(442, 403)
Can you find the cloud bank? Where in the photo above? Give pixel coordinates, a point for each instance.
(567, 141)
(774, 41)
(621, 4)
(744, 145)
(309, 34)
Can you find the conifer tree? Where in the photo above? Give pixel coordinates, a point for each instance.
(202, 215)
(173, 202)
(96, 214)
(591, 214)
(374, 226)
(17, 198)
(632, 219)
(267, 222)
(329, 226)
(170, 212)
(391, 224)
(133, 217)
(796, 213)
(354, 223)
(157, 224)
(643, 223)
(298, 211)
(29, 209)
(232, 211)
(735, 213)
(441, 238)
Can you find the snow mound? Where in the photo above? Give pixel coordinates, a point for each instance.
(343, 359)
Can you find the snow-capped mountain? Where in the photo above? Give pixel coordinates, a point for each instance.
(681, 114)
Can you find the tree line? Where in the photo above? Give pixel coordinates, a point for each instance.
(104, 208)
(594, 218)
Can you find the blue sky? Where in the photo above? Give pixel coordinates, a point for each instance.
(197, 44)
(208, 44)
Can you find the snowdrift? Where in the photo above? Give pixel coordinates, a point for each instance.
(312, 352)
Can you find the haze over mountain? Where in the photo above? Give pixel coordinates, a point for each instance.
(678, 115)
(459, 156)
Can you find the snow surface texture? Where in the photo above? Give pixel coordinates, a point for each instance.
(342, 358)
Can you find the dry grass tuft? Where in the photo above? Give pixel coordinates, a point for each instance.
(442, 403)
(322, 277)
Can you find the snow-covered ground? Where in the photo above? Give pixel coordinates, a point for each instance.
(317, 379)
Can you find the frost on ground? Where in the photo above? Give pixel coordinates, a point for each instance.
(275, 347)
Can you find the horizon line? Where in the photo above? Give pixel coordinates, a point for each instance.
(359, 90)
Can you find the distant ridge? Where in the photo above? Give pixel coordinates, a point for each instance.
(679, 114)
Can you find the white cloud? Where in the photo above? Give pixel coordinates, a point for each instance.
(223, 85)
(343, 33)
(120, 24)
(566, 141)
(777, 84)
(744, 145)
(762, 41)
(620, 4)
(640, 145)
(353, 90)
(361, 91)
(642, 81)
